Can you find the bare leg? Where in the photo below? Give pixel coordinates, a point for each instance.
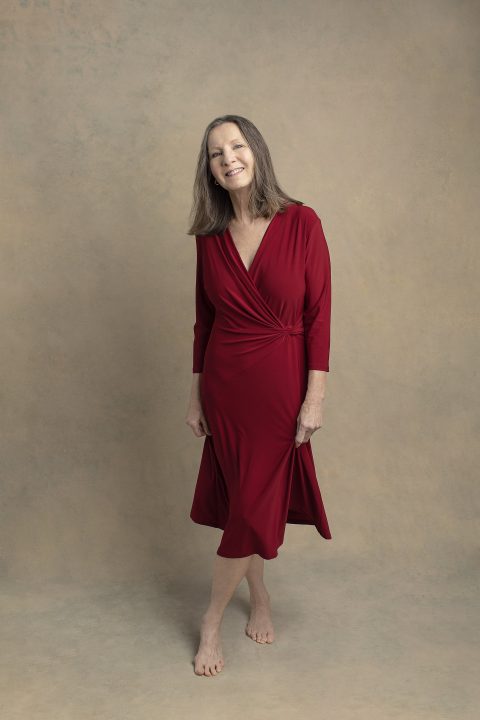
(227, 573)
(259, 626)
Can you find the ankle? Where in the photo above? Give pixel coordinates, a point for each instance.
(212, 617)
(259, 594)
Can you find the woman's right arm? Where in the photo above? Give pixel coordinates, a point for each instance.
(204, 314)
(204, 317)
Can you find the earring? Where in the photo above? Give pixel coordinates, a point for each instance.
(216, 183)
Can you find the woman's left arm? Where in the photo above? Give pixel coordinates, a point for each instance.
(316, 321)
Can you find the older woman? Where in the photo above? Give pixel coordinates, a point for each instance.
(260, 357)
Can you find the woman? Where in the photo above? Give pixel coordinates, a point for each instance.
(260, 357)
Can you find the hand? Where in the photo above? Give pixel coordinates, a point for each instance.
(309, 419)
(197, 421)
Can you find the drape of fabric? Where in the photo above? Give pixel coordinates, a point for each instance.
(257, 332)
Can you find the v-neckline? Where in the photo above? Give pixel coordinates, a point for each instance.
(259, 248)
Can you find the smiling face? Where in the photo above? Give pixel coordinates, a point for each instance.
(230, 158)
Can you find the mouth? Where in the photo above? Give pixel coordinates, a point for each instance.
(236, 171)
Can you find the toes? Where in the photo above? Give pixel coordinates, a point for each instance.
(209, 670)
(210, 665)
(260, 637)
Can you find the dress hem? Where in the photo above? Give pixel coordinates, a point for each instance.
(210, 523)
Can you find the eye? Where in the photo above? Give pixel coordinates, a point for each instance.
(216, 153)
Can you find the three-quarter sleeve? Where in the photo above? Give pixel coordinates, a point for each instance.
(317, 304)
(204, 314)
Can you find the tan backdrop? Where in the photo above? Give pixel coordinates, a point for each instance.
(370, 110)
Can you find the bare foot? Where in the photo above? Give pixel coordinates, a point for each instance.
(209, 659)
(259, 626)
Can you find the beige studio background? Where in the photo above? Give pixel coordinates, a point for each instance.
(370, 110)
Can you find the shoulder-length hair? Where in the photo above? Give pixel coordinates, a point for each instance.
(212, 208)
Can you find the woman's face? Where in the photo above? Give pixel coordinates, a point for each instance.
(228, 151)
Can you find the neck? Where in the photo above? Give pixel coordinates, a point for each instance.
(239, 200)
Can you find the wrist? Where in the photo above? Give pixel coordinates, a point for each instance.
(317, 400)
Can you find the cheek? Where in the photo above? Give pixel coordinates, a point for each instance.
(250, 159)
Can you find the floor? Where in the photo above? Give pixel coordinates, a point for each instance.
(352, 642)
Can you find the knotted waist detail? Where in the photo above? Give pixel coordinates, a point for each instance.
(261, 330)
(293, 329)
(234, 347)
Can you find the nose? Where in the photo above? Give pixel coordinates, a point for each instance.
(227, 157)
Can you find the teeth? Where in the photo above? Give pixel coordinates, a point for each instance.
(234, 172)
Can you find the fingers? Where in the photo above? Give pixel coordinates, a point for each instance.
(199, 425)
(205, 426)
(304, 434)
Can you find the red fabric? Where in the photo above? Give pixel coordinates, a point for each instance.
(257, 333)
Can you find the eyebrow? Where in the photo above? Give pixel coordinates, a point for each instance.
(217, 147)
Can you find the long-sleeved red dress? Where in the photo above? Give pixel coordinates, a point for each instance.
(257, 332)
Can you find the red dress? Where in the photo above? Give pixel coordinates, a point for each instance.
(257, 333)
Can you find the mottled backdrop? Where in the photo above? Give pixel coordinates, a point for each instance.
(370, 110)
